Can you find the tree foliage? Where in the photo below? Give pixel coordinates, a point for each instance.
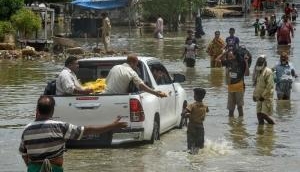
(5, 28)
(9, 7)
(198, 4)
(171, 9)
(26, 21)
(46, 1)
(168, 9)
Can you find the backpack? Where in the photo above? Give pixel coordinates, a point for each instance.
(50, 88)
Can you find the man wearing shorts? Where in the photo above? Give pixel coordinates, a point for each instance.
(236, 69)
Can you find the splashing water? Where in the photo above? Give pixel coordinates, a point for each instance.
(215, 148)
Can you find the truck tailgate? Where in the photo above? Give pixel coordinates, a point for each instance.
(91, 110)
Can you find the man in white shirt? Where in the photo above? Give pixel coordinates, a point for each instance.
(67, 82)
(119, 77)
(106, 29)
(159, 28)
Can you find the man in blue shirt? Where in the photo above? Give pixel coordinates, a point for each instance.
(284, 73)
(232, 42)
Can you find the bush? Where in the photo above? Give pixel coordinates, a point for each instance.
(5, 28)
(26, 21)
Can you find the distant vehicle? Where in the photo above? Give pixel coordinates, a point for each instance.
(212, 3)
(148, 116)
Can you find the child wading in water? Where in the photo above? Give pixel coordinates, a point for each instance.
(256, 27)
(189, 53)
(196, 113)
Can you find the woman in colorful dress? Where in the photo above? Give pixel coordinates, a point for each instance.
(214, 49)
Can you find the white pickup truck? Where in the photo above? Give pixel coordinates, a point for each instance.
(148, 116)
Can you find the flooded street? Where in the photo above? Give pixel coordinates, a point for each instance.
(231, 144)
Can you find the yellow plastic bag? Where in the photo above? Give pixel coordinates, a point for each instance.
(98, 86)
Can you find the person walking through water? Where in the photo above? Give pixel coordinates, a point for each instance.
(43, 140)
(189, 54)
(256, 25)
(284, 32)
(263, 92)
(106, 30)
(236, 69)
(198, 25)
(284, 75)
(159, 28)
(196, 113)
(214, 49)
(232, 42)
(294, 13)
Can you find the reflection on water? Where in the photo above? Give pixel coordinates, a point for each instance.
(265, 139)
(284, 110)
(238, 132)
(216, 77)
(283, 107)
(190, 74)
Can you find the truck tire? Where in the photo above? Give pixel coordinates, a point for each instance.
(155, 132)
(183, 120)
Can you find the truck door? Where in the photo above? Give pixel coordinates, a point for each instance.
(162, 82)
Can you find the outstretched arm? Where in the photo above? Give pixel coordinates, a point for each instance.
(144, 87)
(247, 72)
(98, 129)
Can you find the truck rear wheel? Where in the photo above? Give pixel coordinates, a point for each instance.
(155, 132)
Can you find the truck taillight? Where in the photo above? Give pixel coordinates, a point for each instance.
(136, 111)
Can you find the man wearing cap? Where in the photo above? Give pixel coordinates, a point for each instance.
(284, 73)
(120, 76)
(264, 89)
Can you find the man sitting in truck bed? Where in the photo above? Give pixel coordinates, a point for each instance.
(67, 82)
(120, 76)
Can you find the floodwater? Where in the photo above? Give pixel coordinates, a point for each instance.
(231, 144)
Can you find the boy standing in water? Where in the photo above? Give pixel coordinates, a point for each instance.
(190, 51)
(196, 113)
(256, 27)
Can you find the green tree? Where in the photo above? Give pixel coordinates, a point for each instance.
(168, 9)
(47, 1)
(26, 21)
(198, 4)
(9, 7)
(5, 28)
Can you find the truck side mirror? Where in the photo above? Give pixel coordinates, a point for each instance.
(178, 77)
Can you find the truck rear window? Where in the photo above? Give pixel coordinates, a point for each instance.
(92, 70)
